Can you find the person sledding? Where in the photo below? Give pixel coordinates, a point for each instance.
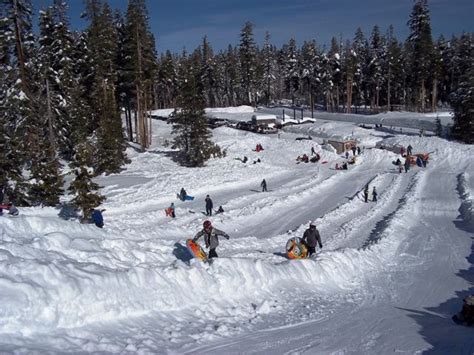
(182, 194)
(220, 210)
(12, 210)
(315, 159)
(210, 237)
(170, 211)
(244, 160)
(311, 238)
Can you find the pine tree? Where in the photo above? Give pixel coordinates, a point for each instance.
(420, 46)
(248, 54)
(268, 69)
(46, 181)
(56, 76)
(166, 77)
(350, 72)
(192, 136)
(139, 49)
(393, 69)
(360, 85)
(462, 98)
(375, 67)
(232, 76)
(292, 72)
(334, 76)
(17, 99)
(102, 39)
(82, 188)
(207, 75)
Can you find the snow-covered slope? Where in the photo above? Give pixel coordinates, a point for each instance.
(389, 277)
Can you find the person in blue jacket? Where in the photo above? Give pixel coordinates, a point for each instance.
(97, 218)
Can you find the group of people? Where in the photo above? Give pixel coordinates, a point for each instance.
(12, 210)
(311, 238)
(171, 212)
(366, 194)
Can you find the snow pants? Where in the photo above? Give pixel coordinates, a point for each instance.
(212, 253)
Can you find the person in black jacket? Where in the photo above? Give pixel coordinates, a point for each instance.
(312, 238)
(263, 184)
(209, 206)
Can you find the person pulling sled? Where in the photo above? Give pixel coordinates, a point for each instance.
(311, 238)
(210, 237)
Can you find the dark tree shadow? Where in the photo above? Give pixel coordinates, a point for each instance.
(182, 253)
(281, 254)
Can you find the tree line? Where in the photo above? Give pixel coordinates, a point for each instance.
(71, 100)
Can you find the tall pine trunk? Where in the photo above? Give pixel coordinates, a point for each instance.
(434, 95)
(422, 95)
(349, 93)
(52, 139)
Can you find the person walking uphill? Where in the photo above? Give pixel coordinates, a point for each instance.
(374, 195)
(263, 184)
(311, 238)
(407, 165)
(210, 237)
(209, 206)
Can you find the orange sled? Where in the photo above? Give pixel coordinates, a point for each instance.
(196, 250)
(296, 249)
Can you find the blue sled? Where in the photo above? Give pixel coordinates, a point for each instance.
(186, 198)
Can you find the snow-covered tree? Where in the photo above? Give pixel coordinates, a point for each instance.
(420, 51)
(462, 98)
(248, 64)
(83, 189)
(192, 137)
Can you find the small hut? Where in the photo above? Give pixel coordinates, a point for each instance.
(342, 146)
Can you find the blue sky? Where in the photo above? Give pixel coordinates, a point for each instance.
(183, 23)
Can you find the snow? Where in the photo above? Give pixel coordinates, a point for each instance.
(239, 113)
(388, 279)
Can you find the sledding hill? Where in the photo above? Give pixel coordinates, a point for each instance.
(388, 277)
